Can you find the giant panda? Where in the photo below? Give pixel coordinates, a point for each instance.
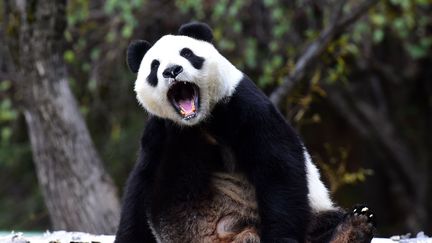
(218, 162)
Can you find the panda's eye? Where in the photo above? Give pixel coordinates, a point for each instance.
(186, 52)
(154, 64)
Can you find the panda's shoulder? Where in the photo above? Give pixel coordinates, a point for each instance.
(248, 96)
(247, 108)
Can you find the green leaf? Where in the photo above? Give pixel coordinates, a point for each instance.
(7, 112)
(274, 46)
(277, 14)
(416, 51)
(95, 53)
(250, 53)
(127, 31)
(86, 67)
(92, 85)
(5, 85)
(237, 27)
(378, 35)
(269, 3)
(378, 19)
(423, 2)
(6, 133)
(69, 56)
(111, 36)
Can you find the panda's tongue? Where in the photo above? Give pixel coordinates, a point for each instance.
(187, 106)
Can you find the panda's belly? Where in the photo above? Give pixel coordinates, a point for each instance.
(228, 215)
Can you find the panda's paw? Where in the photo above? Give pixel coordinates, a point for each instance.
(358, 226)
(363, 214)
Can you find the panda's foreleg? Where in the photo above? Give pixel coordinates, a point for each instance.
(271, 156)
(269, 152)
(134, 226)
(280, 184)
(282, 200)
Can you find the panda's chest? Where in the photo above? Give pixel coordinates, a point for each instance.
(209, 202)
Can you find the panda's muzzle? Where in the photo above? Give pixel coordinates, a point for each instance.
(184, 97)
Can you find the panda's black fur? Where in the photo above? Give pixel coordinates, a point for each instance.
(237, 176)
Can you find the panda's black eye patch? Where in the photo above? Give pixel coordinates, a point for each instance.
(186, 52)
(155, 64)
(152, 77)
(196, 61)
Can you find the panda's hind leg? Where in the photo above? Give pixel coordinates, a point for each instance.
(338, 226)
(323, 225)
(357, 226)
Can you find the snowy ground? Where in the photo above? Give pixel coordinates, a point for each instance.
(76, 237)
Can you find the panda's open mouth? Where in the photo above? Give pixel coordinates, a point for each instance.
(184, 96)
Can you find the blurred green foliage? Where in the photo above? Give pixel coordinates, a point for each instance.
(262, 38)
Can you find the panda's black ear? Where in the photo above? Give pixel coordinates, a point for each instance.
(135, 53)
(197, 30)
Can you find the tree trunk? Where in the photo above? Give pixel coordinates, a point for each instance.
(79, 194)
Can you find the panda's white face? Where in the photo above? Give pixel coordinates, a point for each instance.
(181, 78)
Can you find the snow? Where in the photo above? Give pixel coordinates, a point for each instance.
(57, 237)
(77, 237)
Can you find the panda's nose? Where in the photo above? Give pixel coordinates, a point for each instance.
(172, 71)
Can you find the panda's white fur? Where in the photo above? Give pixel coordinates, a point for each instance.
(319, 198)
(216, 79)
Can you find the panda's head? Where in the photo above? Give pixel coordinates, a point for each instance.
(181, 77)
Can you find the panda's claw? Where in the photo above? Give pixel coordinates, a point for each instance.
(363, 210)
